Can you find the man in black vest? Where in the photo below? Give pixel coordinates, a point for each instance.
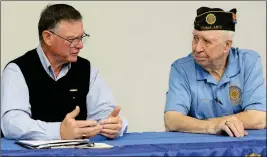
(52, 93)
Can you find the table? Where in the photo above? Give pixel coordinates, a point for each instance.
(157, 144)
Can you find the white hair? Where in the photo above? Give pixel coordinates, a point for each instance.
(227, 35)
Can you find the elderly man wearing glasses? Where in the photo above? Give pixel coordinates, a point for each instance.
(52, 93)
(217, 88)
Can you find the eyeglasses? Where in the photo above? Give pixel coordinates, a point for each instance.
(75, 41)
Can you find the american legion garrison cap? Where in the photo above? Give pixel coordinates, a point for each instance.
(215, 19)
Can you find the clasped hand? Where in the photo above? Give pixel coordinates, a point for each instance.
(232, 126)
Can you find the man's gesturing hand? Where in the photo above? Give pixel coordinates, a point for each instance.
(76, 129)
(112, 125)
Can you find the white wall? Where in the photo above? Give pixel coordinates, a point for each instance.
(133, 45)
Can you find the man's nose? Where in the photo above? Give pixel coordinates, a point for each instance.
(80, 44)
(198, 47)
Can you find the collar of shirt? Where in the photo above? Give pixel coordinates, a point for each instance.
(233, 66)
(231, 70)
(47, 66)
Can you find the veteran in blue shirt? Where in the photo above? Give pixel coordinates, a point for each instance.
(216, 89)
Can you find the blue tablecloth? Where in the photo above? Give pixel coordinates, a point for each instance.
(157, 144)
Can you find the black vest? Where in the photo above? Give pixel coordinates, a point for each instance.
(51, 100)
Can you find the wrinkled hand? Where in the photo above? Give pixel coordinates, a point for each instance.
(76, 129)
(111, 126)
(232, 126)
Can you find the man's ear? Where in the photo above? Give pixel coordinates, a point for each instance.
(47, 37)
(228, 45)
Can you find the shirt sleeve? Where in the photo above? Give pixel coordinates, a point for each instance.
(100, 102)
(178, 97)
(16, 121)
(254, 94)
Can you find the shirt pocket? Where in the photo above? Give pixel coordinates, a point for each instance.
(205, 108)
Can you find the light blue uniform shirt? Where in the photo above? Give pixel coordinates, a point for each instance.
(16, 122)
(192, 90)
